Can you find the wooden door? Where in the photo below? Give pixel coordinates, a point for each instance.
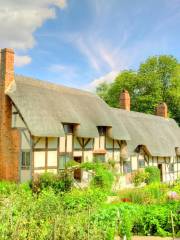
(77, 172)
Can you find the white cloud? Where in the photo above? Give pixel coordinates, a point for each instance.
(59, 68)
(109, 57)
(108, 78)
(64, 71)
(20, 19)
(88, 52)
(22, 60)
(102, 56)
(98, 53)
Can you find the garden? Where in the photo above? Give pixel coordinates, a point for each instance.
(51, 208)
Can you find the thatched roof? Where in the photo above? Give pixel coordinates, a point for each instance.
(161, 136)
(45, 106)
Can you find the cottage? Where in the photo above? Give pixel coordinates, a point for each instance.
(43, 126)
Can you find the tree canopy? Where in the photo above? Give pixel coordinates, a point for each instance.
(156, 80)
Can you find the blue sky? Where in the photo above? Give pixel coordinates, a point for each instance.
(80, 43)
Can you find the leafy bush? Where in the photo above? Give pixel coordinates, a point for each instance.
(103, 177)
(126, 219)
(51, 215)
(83, 199)
(7, 187)
(59, 182)
(84, 214)
(150, 194)
(176, 186)
(139, 177)
(157, 221)
(154, 174)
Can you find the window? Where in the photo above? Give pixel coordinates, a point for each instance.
(127, 167)
(102, 130)
(68, 128)
(99, 158)
(171, 167)
(25, 160)
(141, 163)
(63, 160)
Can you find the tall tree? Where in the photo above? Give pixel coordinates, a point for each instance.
(157, 80)
(102, 91)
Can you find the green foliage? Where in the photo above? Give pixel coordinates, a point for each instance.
(50, 215)
(133, 219)
(156, 80)
(103, 177)
(156, 219)
(150, 194)
(72, 164)
(7, 187)
(83, 199)
(139, 177)
(176, 186)
(58, 182)
(83, 214)
(154, 174)
(102, 90)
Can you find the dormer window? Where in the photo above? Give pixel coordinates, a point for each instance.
(141, 156)
(68, 128)
(102, 130)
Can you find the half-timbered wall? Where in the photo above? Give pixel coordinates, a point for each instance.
(134, 162)
(25, 157)
(45, 154)
(170, 165)
(50, 154)
(25, 164)
(83, 147)
(65, 149)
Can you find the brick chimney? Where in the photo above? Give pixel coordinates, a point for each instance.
(9, 138)
(162, 110)
(125, 100)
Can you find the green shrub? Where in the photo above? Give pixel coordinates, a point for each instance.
(58, 182)
(83, 199)
(126, 219)
(103, 178)
(150, 194)
(176, 185)
(154, 174)
(156, 219)
(139, 177)
(7, 187)
(83, 214)
(49, 216)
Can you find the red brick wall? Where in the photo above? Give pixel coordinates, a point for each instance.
(9, 138)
